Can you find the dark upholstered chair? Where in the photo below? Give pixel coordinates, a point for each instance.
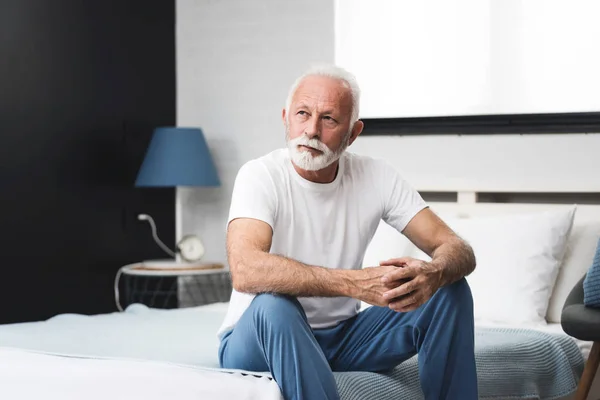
(583, 323)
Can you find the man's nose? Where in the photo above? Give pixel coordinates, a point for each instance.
(312, 128)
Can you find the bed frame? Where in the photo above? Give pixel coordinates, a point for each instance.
(550, 169)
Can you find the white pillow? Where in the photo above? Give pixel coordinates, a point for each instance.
(518, 258)
(387, 243)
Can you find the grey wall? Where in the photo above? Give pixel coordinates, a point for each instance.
(235, 62)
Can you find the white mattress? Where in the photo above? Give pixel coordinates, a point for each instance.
(26, 374)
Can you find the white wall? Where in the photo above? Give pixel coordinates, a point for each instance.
(235, 62)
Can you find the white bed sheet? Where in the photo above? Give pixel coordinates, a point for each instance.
(183, 336)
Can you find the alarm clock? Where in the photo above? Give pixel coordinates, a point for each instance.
(190, 248)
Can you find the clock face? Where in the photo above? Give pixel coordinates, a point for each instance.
(191, 248)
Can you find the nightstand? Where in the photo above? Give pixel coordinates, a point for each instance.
(188, 285)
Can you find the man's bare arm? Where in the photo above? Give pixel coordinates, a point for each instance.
(416, 281)
(255, 270)
(452, 255)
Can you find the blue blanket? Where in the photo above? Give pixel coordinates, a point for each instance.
(511, 364)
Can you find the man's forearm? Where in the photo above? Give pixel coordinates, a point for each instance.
(262, 272)
(455, 260)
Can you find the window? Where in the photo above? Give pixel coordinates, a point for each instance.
(440, 58)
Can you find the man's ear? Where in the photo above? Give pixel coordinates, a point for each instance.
(283, 116)
(356, 130)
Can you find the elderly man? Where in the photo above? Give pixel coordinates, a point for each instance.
(300, 221)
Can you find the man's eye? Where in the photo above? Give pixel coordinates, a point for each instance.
(301, 112)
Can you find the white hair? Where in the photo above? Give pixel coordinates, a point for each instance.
(334, 72)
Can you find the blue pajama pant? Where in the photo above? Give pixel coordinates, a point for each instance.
(273, 335)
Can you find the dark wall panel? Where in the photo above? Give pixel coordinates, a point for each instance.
(82, 85)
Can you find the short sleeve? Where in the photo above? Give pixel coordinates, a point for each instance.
(401, 201)
(254, 194)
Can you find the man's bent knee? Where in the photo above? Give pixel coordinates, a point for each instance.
(458, 292)
(277, 307)
(275, 302)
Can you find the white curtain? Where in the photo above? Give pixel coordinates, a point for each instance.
(416, 58)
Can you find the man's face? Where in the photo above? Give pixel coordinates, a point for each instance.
(318, 124)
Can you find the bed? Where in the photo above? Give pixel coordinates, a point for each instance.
(151, 353)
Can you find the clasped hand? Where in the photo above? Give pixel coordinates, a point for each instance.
(402, 284)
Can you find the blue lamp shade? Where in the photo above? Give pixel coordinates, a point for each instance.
(177, 157)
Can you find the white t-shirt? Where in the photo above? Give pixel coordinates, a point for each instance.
(328, 225)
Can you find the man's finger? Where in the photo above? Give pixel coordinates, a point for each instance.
(401, 290)
(398, 262)
(400, 273)
(395, 284)
(410, 301)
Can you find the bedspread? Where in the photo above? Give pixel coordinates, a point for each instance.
(511, 364)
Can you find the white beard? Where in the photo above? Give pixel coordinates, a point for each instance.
(306, 160)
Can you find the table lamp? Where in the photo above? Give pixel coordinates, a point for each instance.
(177, 157)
